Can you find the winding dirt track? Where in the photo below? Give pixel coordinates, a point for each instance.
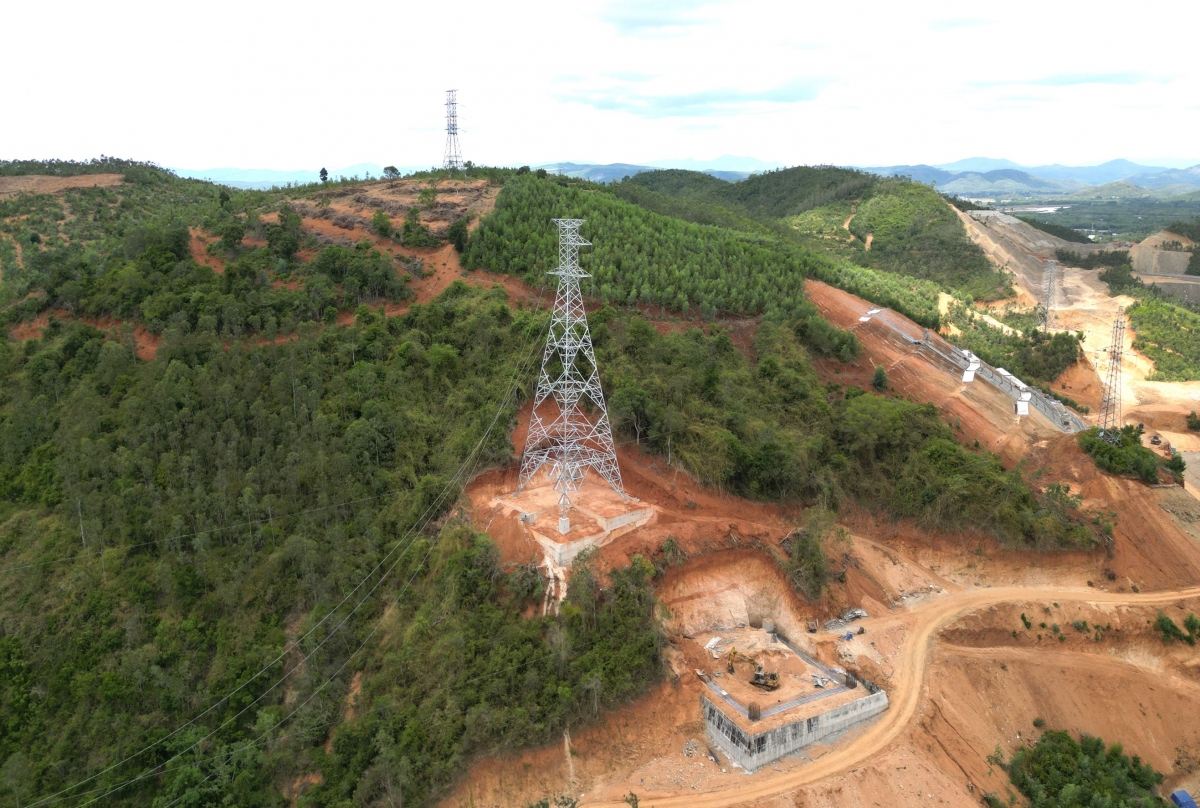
(905, 696)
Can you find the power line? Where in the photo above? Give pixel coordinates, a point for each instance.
(472, 459)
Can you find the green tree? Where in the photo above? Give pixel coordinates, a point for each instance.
(232, 234)
(806, 567)
(381, 224)
(457, 233)
(414, 233)
(284, 238)
(879, 379)
(391, 173)
(324, 175)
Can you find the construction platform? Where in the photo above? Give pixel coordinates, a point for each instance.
(813, 703)
(598, 515)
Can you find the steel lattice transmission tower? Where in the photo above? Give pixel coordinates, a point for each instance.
(1051, 280)
(562, 434)
(453, 158)
(1110, 405)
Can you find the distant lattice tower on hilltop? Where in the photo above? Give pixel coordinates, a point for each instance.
(560, 432)
(1111, 419)
(453, 158)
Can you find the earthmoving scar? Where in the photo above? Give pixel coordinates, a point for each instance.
(768, 680)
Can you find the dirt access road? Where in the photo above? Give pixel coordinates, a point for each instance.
(905, 696)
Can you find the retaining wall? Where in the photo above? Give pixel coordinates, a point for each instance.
(1159, 262)
(1055, 412)
(1185, 286)
(753, 751)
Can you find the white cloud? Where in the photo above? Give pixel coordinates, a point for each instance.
(299, 84)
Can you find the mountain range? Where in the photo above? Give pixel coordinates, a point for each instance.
(613, 172)
(978, 176)
(727, 167)
(975, 176)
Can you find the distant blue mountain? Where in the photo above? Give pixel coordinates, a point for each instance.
(1112, 171)
(264, 178)
(985, 175)
(978, 165)
(726, 163)
(617, 171)
(919, 173)
(1168, 176)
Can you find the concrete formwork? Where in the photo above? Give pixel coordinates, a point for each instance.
(755, 750)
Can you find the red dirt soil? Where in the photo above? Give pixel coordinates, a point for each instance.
(145, 342)
(983, 688)
(978, 411)
(43, 184)
(200, 255)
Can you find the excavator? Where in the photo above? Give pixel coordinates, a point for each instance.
(767, 680)
(734, 657)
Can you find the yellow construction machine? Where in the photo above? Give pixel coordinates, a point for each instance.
(734, 657)
(767, 680)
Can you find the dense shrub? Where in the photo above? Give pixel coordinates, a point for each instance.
(772, 431)
(1093, 260)
(1187, 229)
(1056, 230)
(1060, 772)
(414, 233)
(1171, 632)
(381, 224)
(805, 564)
(1127, 457)
(456, 234)
(1034, 356)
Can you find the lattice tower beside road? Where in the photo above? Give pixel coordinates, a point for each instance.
(1110, 404)
(560, 432)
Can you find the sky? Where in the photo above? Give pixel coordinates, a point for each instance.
(298, 85)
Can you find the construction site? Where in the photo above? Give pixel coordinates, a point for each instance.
(855, 699)
(769, 698)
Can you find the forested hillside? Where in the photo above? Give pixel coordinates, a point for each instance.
(126, 254)
(201, 554)
(912, 230)
(643, 256)
(182, 522)
(773, 195)
(1170, 336)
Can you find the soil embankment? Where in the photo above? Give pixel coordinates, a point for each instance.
(43, 184)
(977, 410)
